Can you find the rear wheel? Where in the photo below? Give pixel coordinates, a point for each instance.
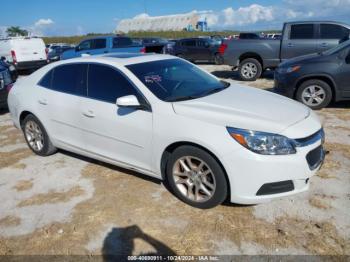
(250, 69)
(196, 177)
(36, 136)
(314, 93)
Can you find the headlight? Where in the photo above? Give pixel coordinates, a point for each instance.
(263, 143)
(290, 69)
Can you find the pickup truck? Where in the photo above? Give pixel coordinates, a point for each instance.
(102, 45)
(252, 56)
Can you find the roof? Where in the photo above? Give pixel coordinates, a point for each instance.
(120, 58)
(319, 22)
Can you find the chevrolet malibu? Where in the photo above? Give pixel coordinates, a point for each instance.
(167, 118)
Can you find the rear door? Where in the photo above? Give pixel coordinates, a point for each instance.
(189, 49)
(59, 102)
(330, 35)
(343, 74)
(125, 44)
(203, 51)
(299, 40)
(29, 49)
(92, 47)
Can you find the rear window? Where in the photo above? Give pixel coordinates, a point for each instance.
(46, 80)
(70, 79)
(303, 31)
(329, 31)
(122, 42)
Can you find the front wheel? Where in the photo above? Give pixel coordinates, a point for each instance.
(250, 69)
(314, 93)
(218, 59)
(196, 177)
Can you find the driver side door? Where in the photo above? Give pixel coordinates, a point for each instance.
(115, 133)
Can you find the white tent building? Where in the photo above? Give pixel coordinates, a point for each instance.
(159, 23)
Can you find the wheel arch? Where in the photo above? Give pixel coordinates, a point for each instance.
(323, 77)
(23, 115)
(170, 148)
(251, 55)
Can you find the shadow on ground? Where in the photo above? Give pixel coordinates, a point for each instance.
(227, 74)
(120, 243)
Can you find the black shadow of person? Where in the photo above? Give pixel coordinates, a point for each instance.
(119, 243)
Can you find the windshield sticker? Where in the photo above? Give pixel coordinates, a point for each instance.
(153, 78)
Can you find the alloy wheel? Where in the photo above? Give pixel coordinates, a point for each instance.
(313, 95)
(194, 178)
(249, 70)
(34, 136)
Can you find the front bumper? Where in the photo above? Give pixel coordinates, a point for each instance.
(284, 85)
(258, 178)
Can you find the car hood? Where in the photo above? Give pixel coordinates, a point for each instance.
(300, 59)
(245, 107)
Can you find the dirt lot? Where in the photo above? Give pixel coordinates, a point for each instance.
(67, 204)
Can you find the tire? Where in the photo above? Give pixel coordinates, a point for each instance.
(249, 69)
(218, 59)
(210, 173)
(320, 92)
(42, 146)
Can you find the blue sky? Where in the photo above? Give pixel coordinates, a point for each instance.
(71, 17)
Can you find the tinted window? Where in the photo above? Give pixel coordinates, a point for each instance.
(70, 79)
(46, 80)
(86, 45)
(121, 42)
(329, 31)
(305, 31)
(189, 43)
(100, 43)
(107, 84)
(175, 80)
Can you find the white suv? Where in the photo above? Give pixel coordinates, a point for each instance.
(167, 118)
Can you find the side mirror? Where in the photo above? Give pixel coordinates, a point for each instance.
(128, 101)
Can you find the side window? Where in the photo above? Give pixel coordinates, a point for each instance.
(70, 78)
(121, 42)
(46, 80)
(107, 84)
(99, 43)
(330, 31)
(190, 43)
(85, 45)
(302, 31)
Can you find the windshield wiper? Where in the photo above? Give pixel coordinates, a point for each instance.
(217, 89)
(180, 98)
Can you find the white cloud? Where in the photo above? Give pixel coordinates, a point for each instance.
(43, 22)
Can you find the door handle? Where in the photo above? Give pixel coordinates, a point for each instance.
(324, 45)
(42, 102)
(89, 113)
(290, 45)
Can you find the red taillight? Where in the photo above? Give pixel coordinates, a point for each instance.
(143, 50)
(222, 48)
(13, 54)
(9, 87)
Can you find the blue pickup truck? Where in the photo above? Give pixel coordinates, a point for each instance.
(102, 45)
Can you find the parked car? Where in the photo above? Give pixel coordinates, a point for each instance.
(167, 118)
(198, 49)
(103, 45)
(6, 82)
(154, 44)
(10, 67)
(169, 48)
(57, 51)
(315, 80)
(24, 52)
(252, 57)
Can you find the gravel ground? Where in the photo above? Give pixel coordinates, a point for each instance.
(68, 204)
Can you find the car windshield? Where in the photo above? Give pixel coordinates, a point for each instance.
(337, 48)
(176, 80)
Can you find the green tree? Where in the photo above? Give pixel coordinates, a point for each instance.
(16, 31)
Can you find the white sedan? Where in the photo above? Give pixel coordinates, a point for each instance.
(167, 118)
